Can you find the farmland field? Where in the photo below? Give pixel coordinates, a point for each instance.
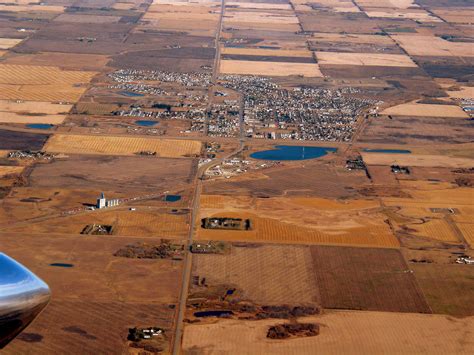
(366, 279)
(266, 274)
(7, 170)
(41, 83)
(388, 60)
(280, 220)
(425, 110)
(341, 332)
(447, 288)
(109, 145)
(150, 222)
(269, 68)
(467, 230)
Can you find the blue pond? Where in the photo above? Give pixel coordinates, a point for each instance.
(393, 151)
(130, 94)
(172, 198)
(61, 265)
(213, 313)
(290, 152)
(146, 123)
(40, 125)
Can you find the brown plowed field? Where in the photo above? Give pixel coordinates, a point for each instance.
(366, 279)
(114, 172)
(448, 288)
(266, 274)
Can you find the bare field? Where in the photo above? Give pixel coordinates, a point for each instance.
(293, 180)
(423, 45)
(32, 112)
(13, 117)
(365, 59)
(7, 43)
(467, 230)
(68, 61)
(437, 229)
(28, 8)
(120, 173)
(269, 68)
(456, 15)
(109, 145)
(73, 18)
(7, 170)
(40, 83)
(10, 140)
(425, 110)
(144, 222)
(46, 108)
(267, 52)
(398, 4)
(355, 38)
(463, 92)
(266, 274)
(416, 160)
(366, 279)
(412, 14)
(300, 220)
(260, 5)
(448, 289)
(334, 5)
(342, 332)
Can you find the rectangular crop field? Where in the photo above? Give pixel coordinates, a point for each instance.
(448, 289)
(266, 274)
(425, 110)
(416, 160)
(422, 45)
(342, 332)
(365, 59)
(267, 52)
(7, 170)
(41, 83)
(366, 279)
(467, 230)
(110, 145)
(244, 67)
(6, 43)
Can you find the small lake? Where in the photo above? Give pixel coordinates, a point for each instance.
(39, 125)
(172, 198)
(146, 123)
(213, 313)
(291, 152)
(393, 151)
(61, 265)
(130, 94)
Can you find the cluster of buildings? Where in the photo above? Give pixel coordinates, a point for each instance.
(224, 119)
(28, 154)
(274, 112)
(467, 105)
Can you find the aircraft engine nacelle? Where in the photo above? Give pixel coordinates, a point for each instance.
(23, 296)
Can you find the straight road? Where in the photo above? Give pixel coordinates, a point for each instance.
(188, 258)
